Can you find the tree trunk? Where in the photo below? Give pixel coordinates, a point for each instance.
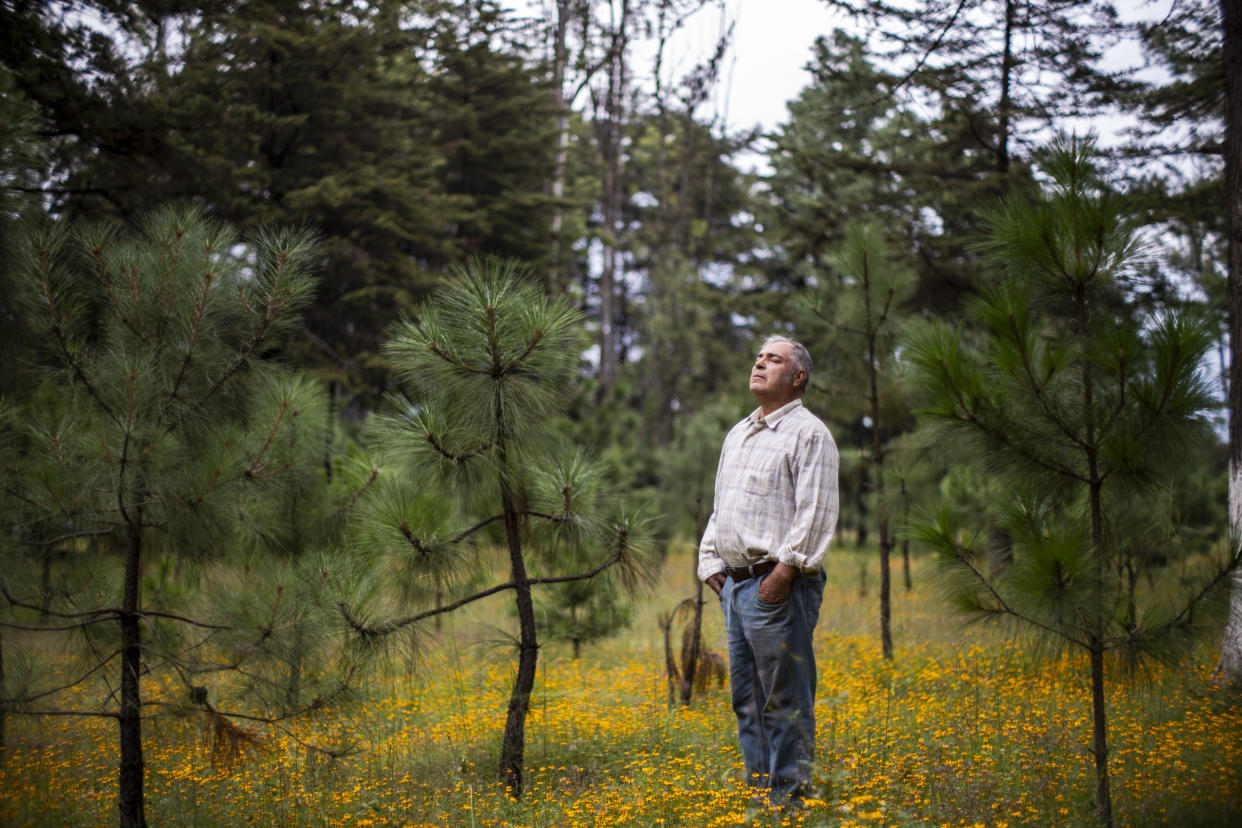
(293, 684)
(45, 585)
(860, 499)
(1095, 641)
(558, 281)
(696, 630)
(513, 748)
(3, 709)
(132, 765)
(1099, 735)
(886, 543)
(1006, 105)
(607, 290)
(905, 542)
(1229, 668)
(695, 646)
(877, 461)
(614, 166)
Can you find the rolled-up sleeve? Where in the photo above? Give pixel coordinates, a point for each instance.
(816, 503)
(709, 560)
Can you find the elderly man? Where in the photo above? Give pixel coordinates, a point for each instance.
(774, 514)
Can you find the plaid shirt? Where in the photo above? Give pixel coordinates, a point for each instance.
(776, 493)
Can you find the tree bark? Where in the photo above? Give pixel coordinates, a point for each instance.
(293, 683)
(1006, 104)
(1095, 640)
(877, 462)
(1099, 735)
(3, 709)
(614, 167)
(696, 629)
(513, 747)
(607, 279)
(886, 543)
(1229, 668)
(132, 764)
(558, 281)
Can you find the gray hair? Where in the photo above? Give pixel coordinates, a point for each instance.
(801, 357)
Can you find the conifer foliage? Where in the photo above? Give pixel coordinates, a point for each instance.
(866, 304)
(159, 417)
(1080, 405)
(490, 358)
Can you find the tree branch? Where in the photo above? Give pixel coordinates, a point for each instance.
(435, 443)
(55, 690)
(963, 559)
(534, 341)
(96, 713)
(371, 632)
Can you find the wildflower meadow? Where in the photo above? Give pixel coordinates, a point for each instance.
(966, 726)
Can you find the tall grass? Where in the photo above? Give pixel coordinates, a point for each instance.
(964, 727)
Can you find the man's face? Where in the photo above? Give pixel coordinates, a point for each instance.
(775, 376)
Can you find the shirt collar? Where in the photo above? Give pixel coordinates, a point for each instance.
(774, 419)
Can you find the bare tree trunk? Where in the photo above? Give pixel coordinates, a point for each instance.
(881, 512)
(696, 630)
(513, 747)
(45, 585)
(558, 281)
(1099, 735)
(905, 541)
(3, 709)
(860, 499)
(132, 764)
(1095, 641)
(1229, 668)
(1006, 106)
(614, 167)
(293, 682)
(608, 315)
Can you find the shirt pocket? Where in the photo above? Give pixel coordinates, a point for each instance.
(758, 482)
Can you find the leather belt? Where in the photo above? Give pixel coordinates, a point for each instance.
(756, 570)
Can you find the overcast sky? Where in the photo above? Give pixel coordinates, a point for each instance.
(765, 66)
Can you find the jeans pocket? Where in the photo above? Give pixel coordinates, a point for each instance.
(771, 606)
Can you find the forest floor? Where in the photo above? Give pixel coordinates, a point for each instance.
(966, 726)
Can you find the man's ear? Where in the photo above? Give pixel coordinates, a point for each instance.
(800, 380)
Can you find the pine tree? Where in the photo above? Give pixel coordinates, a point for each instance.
(21, 158)
(297, 560)
(161, 415)
(1077, 404)
(496, 123)
(321, 114)
(862, 302)
(491, 358)
(1001, 71)
(851, 146)
(264, 111)
(1231, 13)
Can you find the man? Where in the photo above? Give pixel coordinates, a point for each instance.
(774, 514)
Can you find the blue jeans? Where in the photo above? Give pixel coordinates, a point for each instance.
(772, 677)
